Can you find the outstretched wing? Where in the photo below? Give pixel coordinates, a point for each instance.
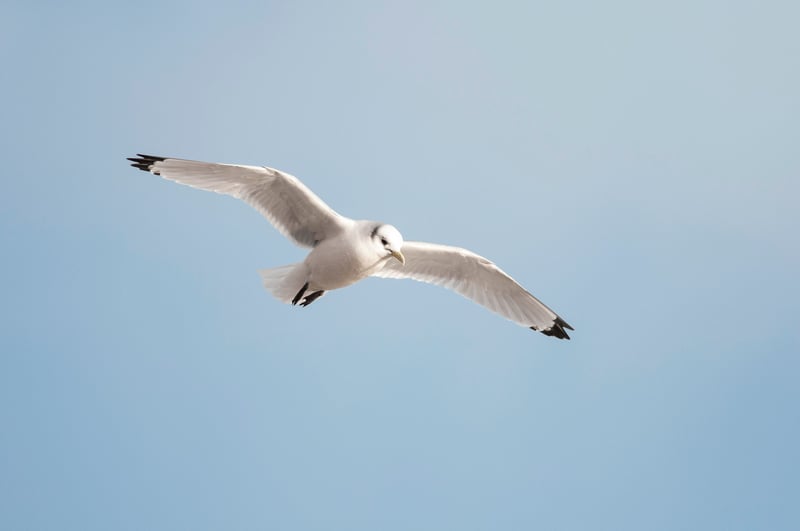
(286, 202)
(475, 278)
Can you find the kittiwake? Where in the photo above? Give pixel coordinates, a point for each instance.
(344, 251)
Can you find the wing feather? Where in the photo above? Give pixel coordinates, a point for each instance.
(285, 201)
(478, 279)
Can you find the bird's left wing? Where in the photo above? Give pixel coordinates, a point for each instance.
(286, 202)
(478, 279)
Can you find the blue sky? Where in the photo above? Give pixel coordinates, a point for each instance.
(633, 164)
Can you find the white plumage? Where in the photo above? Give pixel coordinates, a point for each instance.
(344, 251)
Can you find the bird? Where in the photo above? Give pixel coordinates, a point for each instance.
(345, 251)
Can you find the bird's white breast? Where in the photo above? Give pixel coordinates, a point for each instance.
(343, 260)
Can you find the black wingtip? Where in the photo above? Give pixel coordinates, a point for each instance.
(557, 329)
(145, 162)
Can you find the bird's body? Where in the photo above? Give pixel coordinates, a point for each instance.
(344, 259)
(333, 263)
(344, 251)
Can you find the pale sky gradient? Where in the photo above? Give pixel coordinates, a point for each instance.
(634, 164)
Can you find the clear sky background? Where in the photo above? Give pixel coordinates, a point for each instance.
(634, 164)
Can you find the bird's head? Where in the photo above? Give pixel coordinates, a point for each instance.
(389, 242)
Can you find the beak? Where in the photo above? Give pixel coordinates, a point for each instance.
(399, 256)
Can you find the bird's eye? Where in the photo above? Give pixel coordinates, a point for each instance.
(383, 241)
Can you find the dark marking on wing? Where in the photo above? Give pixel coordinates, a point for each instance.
(557, 329)
(145, 162)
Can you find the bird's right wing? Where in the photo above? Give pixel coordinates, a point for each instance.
(286, 202)
(478, 279)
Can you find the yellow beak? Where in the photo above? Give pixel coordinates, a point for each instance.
(399, 256)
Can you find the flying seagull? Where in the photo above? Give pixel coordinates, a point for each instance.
(344, 251)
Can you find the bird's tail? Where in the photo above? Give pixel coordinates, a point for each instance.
(284, 282)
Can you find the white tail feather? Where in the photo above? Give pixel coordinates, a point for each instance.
(284, 282)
